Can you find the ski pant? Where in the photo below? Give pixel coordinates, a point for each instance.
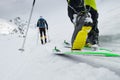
(42, 32)
(94, 33)
(43, 35)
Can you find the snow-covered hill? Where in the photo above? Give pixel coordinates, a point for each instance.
(38, 62)
(6, 27)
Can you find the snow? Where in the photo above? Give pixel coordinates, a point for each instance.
(6, 27)
(38, 62)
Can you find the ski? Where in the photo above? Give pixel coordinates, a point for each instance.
(88, 51)
(85, 52)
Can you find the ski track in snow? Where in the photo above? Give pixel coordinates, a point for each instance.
(109, 63)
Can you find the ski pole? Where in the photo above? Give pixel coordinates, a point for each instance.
(22, 48)
(48, 36)
(37, 37)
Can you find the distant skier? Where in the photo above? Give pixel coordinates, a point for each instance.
(43, 26)
(83, 14)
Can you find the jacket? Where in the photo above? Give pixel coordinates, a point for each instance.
(91, 3)
(42, 23)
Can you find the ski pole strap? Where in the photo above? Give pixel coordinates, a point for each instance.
(81, 4)
(73, 9)
(87, 8)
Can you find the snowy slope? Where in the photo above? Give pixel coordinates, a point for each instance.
(109, 21)
(6, 27)
(39, 63)
(109, 17)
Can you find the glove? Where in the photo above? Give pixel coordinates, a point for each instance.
(47, 28)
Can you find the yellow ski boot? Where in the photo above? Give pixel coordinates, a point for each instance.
(81, 37)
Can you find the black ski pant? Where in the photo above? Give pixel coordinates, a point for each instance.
(42, 32)
(94, 33)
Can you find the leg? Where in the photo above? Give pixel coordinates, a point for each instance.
(80, 34)
(41, 36)
(44, 31)
(94, 33)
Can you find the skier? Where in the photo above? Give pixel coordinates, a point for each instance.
(82, 16)
(42, 25)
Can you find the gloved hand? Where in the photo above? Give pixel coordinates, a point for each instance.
(47, 28)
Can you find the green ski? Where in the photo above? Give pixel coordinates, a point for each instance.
(94, 53)
(100, 52)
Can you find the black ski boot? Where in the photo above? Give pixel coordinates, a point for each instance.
(45, 40)
(92, 39)
(96, 39)
(41, 41)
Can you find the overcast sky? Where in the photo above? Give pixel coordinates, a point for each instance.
(12, 8)
(52, 10)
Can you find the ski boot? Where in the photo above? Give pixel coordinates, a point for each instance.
(45, 40)
(81, 38)
(41, 41)
(92, 42)
(82, 28)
